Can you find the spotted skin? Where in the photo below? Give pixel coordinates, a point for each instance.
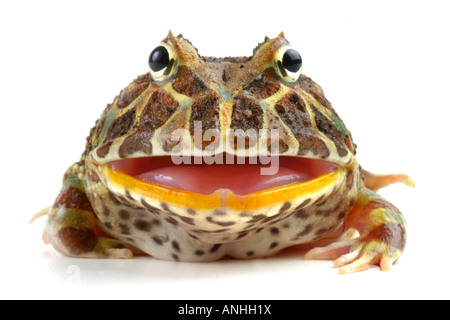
(98, 215)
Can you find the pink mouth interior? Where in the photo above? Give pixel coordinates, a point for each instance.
(241, 179)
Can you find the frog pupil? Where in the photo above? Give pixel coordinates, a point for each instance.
(292, 61)
(159, 59)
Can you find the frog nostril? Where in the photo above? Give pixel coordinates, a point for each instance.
(226, 75)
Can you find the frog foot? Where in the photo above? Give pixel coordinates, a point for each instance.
(72, 226)
(356, 255)
(84, 243)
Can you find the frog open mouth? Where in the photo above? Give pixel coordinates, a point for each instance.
(240, 179)
(233, 185)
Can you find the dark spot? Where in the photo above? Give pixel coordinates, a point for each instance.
(250, 253)
(187, 82)
(274, 231)
(321, 203)
(226, 75)
(305, 232)
(124, 229)
(320, 199)
(103, 150)
(215, 247)
(113, 198)
(241, 235)
(122, 199)
(123, 214)
(176, 246)
(338, 205)
(156, 222)
(350, 178)
(142, 225)
(106, 211)
(245, 214)
(157, 240)
(175, 257)
(256, 218)
(273, 245)
(265, 85)
(118, 128)
(128, 195)
(246, 120)
(220, 212)
(165, 207)
(149, 207)
(199, 253)
(303, 204)
(205, 110)
(323, 230)
(108, 225)
(286, 225)
(191, 211)
(188, 220)
(341, 215)
(285, 207)
(324, 213)
(137, 141)
(171, 221)
(270, 218)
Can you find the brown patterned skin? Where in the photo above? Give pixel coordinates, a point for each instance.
(102, 214)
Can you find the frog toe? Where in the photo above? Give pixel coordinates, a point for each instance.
(107, 248)
(365, 256)
(330, 252)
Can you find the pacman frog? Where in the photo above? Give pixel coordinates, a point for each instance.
(130, 195)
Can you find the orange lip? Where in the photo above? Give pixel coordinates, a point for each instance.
(119, 180)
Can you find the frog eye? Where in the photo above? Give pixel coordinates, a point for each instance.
(288, 63)
(162, 63)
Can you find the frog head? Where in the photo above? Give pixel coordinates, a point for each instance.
(185, 96)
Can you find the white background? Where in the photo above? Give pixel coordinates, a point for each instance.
(383, 64)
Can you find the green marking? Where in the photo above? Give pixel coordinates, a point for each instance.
(340, 125)
(395, 216)
(72, 217)
(186, 102)
(226, 95)
(74, 182)
(263, 104)
(108, 119)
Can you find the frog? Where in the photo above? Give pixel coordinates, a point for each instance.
(128, 196)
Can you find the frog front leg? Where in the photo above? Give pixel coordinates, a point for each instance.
(72, 226)
(376, 235)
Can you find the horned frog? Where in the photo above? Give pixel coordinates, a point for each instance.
(127, 197)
